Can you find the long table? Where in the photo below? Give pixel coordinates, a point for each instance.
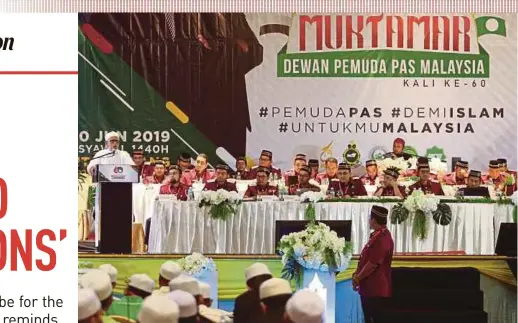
(183, 227)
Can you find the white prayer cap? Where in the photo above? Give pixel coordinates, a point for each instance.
(186, 302)
(185, 283)
(162, 290)
(305, 307)
(158, 309)
(273, 287)
(88, 304)
(142, 282)
(170, 270)
(111, 271)
(110, 135)
(204, 289)
(257, 269)
(99, 282)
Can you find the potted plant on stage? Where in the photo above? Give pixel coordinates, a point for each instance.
(312, 258)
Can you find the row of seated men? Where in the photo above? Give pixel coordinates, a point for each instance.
(183, 299)
(344, 185)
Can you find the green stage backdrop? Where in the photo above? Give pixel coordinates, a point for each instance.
(230, 84)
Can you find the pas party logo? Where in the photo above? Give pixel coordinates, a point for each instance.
(436, 152)
(378, 152)
(351, 155)
(411, 150)
(417, 46)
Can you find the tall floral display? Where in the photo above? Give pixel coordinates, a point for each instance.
(420, 207)
(203, 269)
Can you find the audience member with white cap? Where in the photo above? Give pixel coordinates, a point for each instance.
(159, 309)
(168, 271)
(187, 305)
(247, 308)
(205, 293)
(208, 314)
(100, 283)
(139, 287)
(88, 307)
(274, 294)
(187, 284)
(305, 307)
(112, 272)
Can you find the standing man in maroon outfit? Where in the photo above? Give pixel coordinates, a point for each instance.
(373, 277)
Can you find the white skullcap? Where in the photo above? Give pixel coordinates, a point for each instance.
(88, 304)
(142, 282)
(111, 271)
(186, 302)
(158, 309)
(204, 289)
(185, 283)
(273, 287)
(99, 282)
(162, 290)
(257, 269)
(111, 134)
(170, 270)
(305, 307)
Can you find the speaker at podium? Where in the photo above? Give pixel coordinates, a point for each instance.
(115, 200)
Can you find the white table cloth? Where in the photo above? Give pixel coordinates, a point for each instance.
(183, 227)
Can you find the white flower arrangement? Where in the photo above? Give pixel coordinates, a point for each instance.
(386, 163)
(222, 203)
(196, 264)
(312, 197)
(420, 201)
(317, 247)
(219, 196)
(437, 166)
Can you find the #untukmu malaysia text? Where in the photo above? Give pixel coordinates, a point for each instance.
(12, 242)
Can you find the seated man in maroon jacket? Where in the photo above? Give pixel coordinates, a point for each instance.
(303, 185)
(314, 165)
(390, 187)
(372, 173)
(174, 187)
(460, 176)
(424, 183)
(158, 174)
(345, 185)
(265, 161)
(262, 186)
(144, 168)
(241, 170)
(221, 182)
(298, 162)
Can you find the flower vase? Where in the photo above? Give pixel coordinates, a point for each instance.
(211, 278)
(324, 285)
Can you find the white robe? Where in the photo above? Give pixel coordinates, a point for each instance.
(119, 158)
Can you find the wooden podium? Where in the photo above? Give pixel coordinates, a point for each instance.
(115, 184)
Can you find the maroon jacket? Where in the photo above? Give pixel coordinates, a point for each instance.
(180, 191)
(255, 190)
(353, 188)
(214, 186)
(428, 188)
